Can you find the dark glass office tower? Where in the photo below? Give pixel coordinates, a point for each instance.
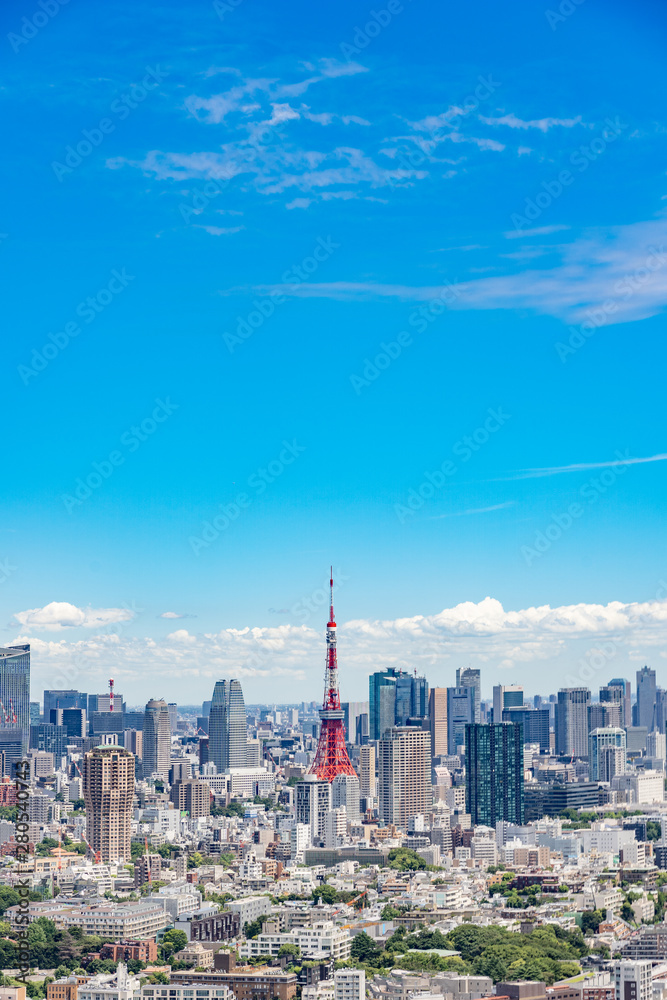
(15, 690)
(494, 773)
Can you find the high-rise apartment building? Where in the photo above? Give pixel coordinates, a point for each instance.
(345, 791)
(313, 802)
(191, 796)
(572, 721)
(437, 719)
(460, 713)
(367, 779)
(599, 765)
(156, 743)
(506, 696)
(15, 690)
(472, 678)
(404, 772)
(646, 692)
(227, 727)
(394, 697)
(108, 788)
(494, 773)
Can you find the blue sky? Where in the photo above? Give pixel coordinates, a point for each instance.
(292, 286)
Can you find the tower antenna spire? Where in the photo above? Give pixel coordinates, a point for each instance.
(331, 757)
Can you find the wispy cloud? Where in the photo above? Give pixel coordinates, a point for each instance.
(625, 266)
(543, 124)
(556, 470)
(221, 230)
(514, 234)
(475, 510)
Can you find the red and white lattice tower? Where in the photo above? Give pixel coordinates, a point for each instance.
(331, 757)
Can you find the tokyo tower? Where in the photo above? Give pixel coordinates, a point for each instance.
(331, 757)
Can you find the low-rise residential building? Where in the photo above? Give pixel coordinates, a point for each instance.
(323, 938)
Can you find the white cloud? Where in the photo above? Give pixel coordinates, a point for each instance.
(283, 662)
(174, 614)
(623, 268)
(221, 230)
(543, 124)
(516, 234)
(586, 466)
(60, 615)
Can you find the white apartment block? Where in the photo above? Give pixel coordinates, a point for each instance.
(323, 938)
(131, 922)
(349, 984)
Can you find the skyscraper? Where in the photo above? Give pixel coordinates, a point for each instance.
(460, 713)
(108, 788)
(572, 721)
(494, 773)
(626, 689)
(535, 723)
(156, 739)
(394, 697)
(173, 717)
(472, 678)
(506, 696)
(15, 690)
(227, 728)
(646, 690)
(59, 698)
(602, 714)
(404, 774)
(598, 763)
(437, 717)
(367, 779)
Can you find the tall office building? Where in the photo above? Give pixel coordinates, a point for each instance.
(60, 698)
(74, 721)
(404, 772)
(35, 714)
(367, 779)
(646, 691)
(614, 695)
(535, 723)
(227, 728)
(394, 697)
(15, 690)
(471, 678)
(173, 717)
(494, 773)
(626, 697)
(572, 721)
(506, 696)
(603, 714)
(437, 719)
(354, 714)
(108, 788)
(460, 713)
(598, 740)
(156, 743)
